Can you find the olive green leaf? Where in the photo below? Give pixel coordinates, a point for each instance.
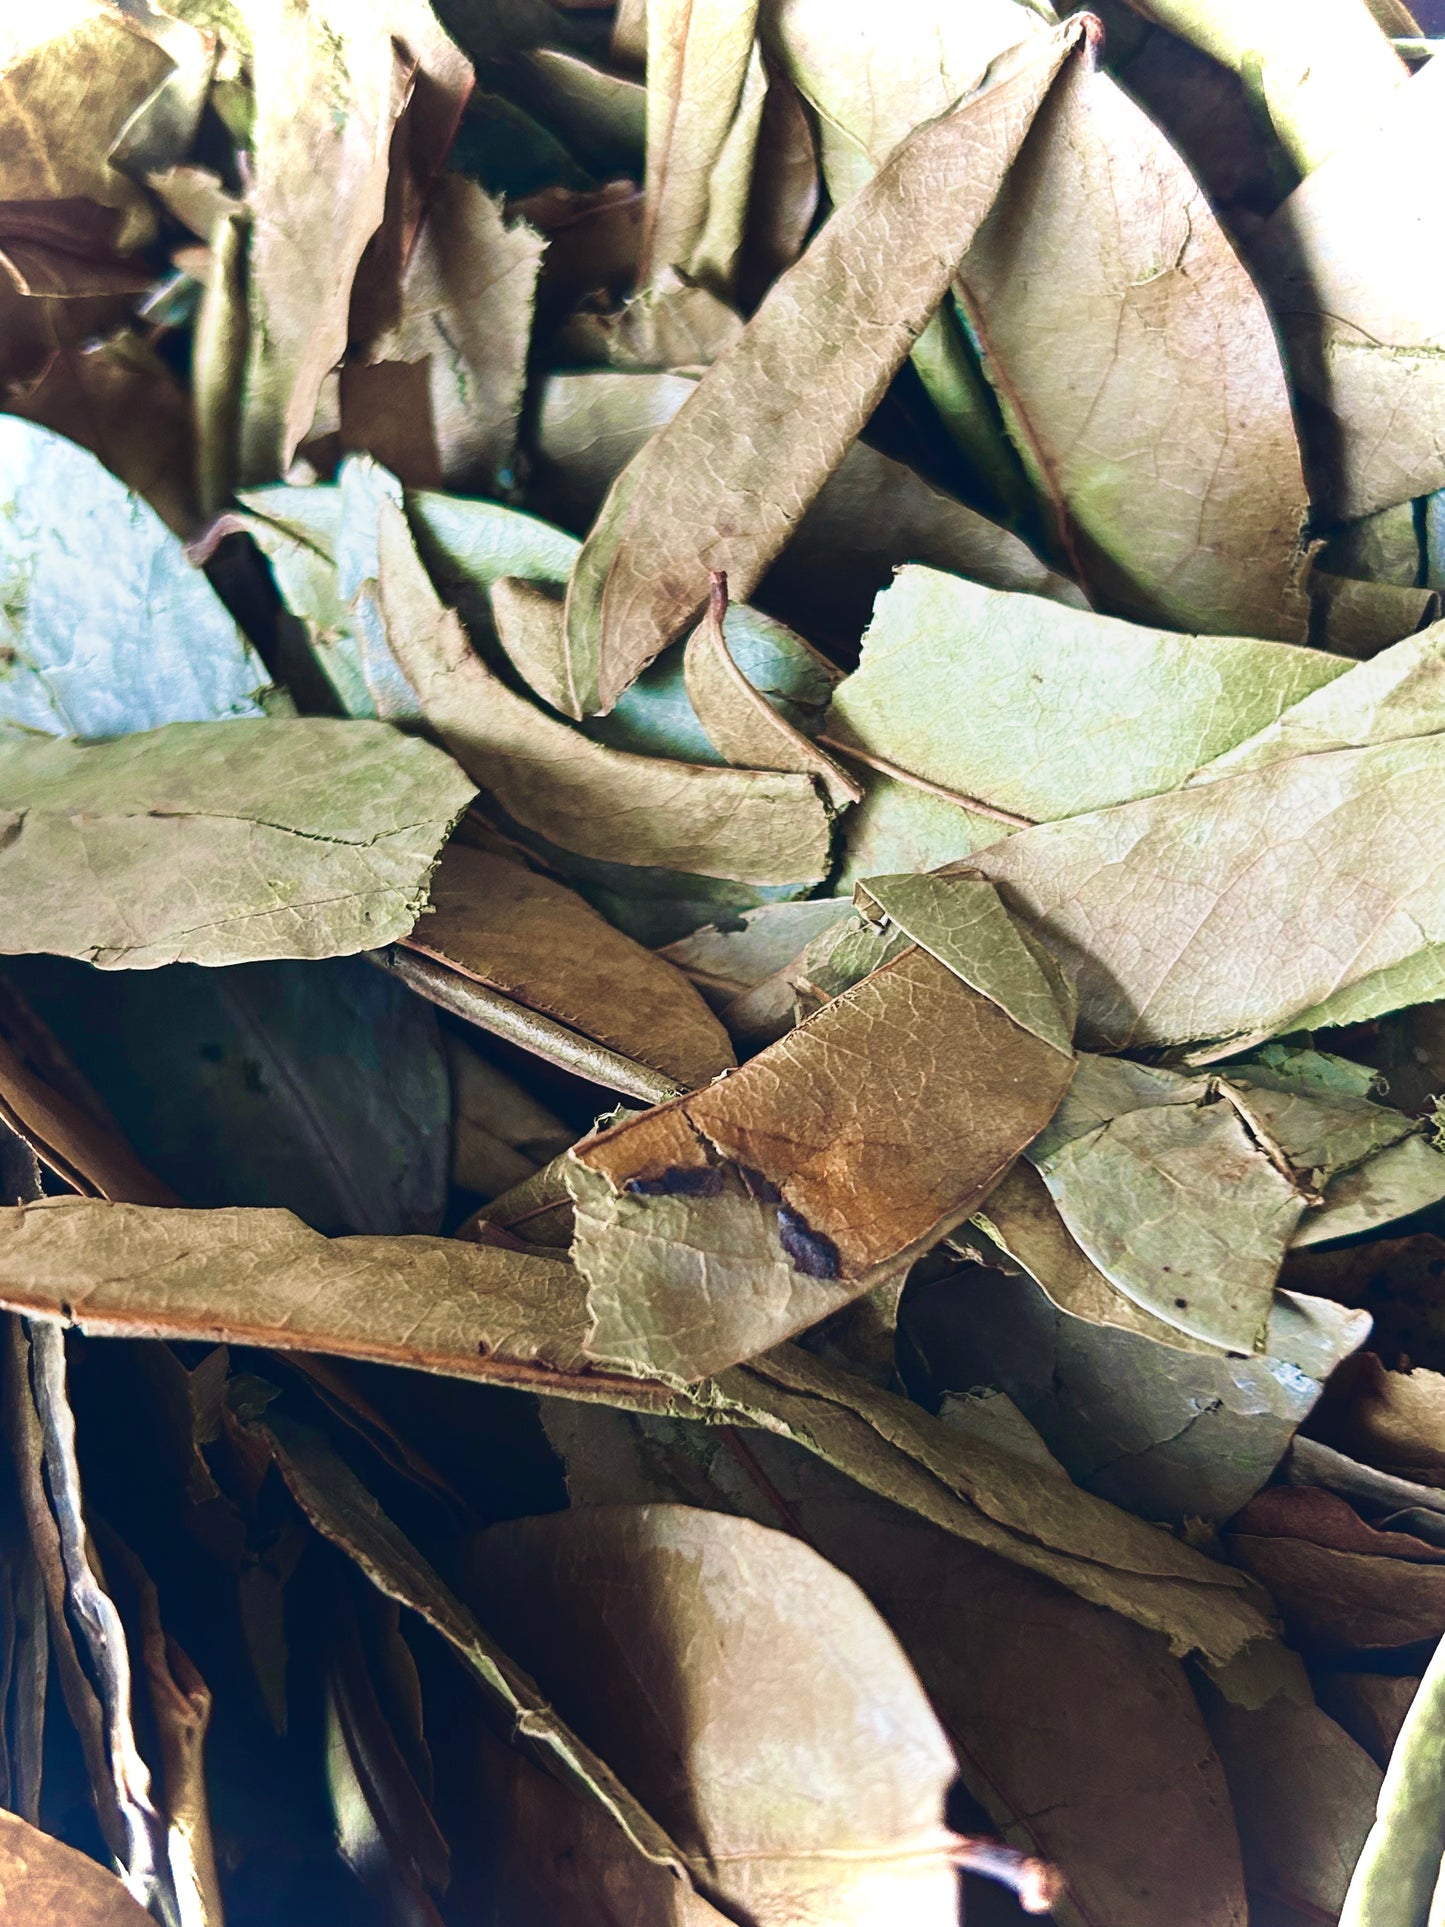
(1047, 711)
(221, 843)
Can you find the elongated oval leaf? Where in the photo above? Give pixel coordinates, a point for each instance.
(723, 484)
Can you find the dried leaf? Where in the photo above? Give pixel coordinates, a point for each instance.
(1398, 1873)
(1233, 869)
(1047, 711)
(985, 1491)
(1316, 68)
(1371, 1707)
(1342, 1585)
(713, 1227)
(1303, 1792)
(331, 82)
(871, 514)
(1352, 270)
(597, 801)
(772, 429)
(697, 64)
(1170, 385)
(752, 1695)
(466, 313)
(742, 725)
(222, 842)
(104, 652)
(47, 1884)
(261, 1277)
(341, 1508)
(542, 945)
(1168, 1434)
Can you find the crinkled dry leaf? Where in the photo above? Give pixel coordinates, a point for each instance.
(538, 942)
(717, 1225)
(331, 82)
(222, 842)
(749, 1692)
(721, 486)
(1342, 1585)
(599, 802)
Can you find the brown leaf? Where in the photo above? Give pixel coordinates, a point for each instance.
(715, 1226)
(44, 1883)
(871, 514)
(1371, 1707)
(723, 484)
(599, 802)
(263, 1278)
(331, 83)
(466, 314)
(1304, 1794)
(752, 1696)
(538, 942)
(1393, 1420)
(742, 724)
(1134, 360)
(1342, 1585)
(1075, 1730)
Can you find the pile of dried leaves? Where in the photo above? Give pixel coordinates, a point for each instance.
(722, 1020)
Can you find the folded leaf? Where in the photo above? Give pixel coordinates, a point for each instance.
(94, 651)
(749, 1692)
(331, 82)
(1352, 268)
(222, 842)
(1048, 711)
(466, 314)
(1342, 1585)
(743, 726)
(722, 485)
(1134, 361)
(747, 824)
(698, 55)
(536, 941)
(715, 1226)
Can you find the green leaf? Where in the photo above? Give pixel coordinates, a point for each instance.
(104, 651)
(1046, 711)
(1398, 1871)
